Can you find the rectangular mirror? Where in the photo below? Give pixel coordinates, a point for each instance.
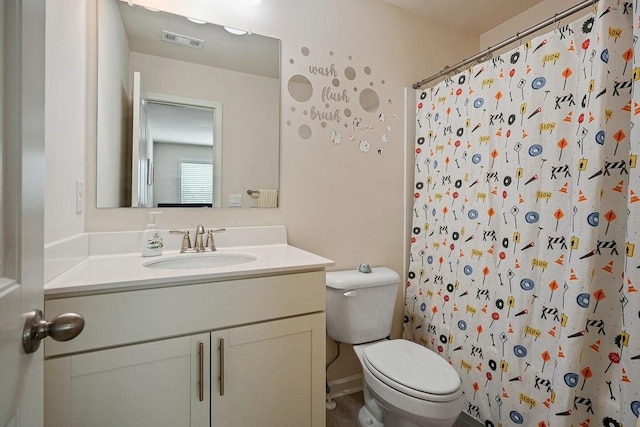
(188, 112)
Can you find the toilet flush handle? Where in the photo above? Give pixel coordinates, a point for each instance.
(350, 293)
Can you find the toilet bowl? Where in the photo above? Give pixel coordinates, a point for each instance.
(407, 385)
(404, 383)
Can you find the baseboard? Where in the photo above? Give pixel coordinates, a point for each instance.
(345, 386)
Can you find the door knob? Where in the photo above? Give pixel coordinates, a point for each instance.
(64, 327)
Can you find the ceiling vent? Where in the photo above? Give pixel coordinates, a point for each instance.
(181, 40)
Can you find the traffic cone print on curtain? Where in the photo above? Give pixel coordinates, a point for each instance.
(525, 256)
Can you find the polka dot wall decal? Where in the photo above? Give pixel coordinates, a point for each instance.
(317, 83)
(300, 88)
(304, 131)
(350, 73)
(369, 100)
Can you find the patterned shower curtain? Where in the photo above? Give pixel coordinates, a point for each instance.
(525, 256)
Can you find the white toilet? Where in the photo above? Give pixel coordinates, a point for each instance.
(405, 384)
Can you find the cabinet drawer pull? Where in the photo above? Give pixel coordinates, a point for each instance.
(221, 364)
(201, 371)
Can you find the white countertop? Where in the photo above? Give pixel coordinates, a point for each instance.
(106, 273)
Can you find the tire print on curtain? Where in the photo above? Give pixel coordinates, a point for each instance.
(525, 251)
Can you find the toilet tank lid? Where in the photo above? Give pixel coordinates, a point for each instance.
(354, 279)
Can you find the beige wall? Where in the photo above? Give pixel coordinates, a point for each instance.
(335, 200)
(527, 19)
(66, 116)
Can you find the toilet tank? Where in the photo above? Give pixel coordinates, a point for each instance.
(360, 306)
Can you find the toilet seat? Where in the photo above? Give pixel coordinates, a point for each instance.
(413, 370)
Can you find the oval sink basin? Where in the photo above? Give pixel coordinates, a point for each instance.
(206, 260)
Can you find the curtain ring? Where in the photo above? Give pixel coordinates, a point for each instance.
(556, 21)
(451, 72)
(446, 72)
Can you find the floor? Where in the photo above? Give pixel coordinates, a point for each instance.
(347, 407)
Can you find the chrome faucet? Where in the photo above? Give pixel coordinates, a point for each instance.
(199, 241)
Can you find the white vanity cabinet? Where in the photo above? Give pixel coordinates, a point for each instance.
(267, 374)
(233, 353)
(161, 383)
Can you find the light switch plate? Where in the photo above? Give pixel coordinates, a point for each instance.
(79, 196)
(235, 200)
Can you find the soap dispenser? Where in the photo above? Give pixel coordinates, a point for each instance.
(151, 244)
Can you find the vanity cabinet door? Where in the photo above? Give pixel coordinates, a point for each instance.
(161, 383)
(269, 374)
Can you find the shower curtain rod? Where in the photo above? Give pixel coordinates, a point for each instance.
(557, 17)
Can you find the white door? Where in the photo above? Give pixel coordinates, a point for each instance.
(141, 173)
(22, 206)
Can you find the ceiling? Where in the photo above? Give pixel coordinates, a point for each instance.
(476, 16)
(180, 124)
(249, 53)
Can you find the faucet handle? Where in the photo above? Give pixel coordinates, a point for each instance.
(186, 240)
(210, 243)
